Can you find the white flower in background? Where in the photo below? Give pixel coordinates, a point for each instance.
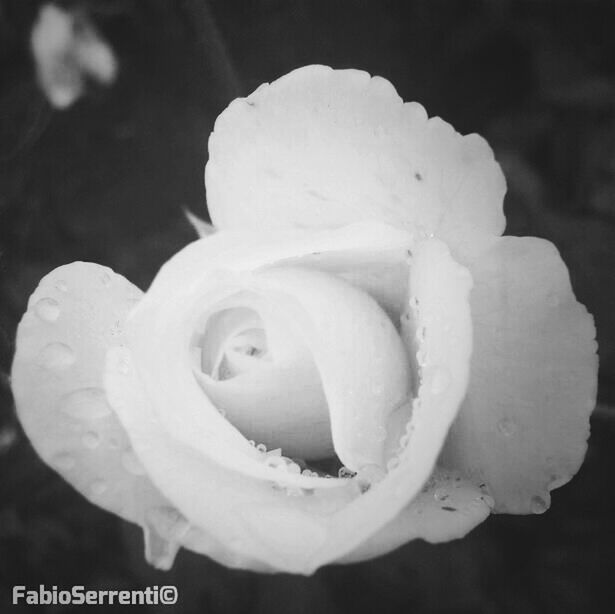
(67, 50)
(356, 300)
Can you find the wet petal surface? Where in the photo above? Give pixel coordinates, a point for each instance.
(322, 148)
(226, 486)
(524, 425)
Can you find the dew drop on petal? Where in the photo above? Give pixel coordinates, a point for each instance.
(64, 461)
(91, 440)
(132, 464)
(557, 482)
(123, 366)
(87, 403)
(441, 494)
(294, 468)
(261, 447)
(441, 379)
(114, 443)
(392, 463)
(47, 309)
(56, 356)
(538, 505)
(507, 427)
(344, 472)
(98, 487)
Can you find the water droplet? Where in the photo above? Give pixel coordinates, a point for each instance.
(61, 286)
(275, 462)
(123, 365)
(371, 474)
(294, 491)
(261, 447)
(403, 440)
(421, 334)
(98, 487)
(91, 440)
(56, 356)
(507, 427)
(252, 442)
(105, 279)
(64, 461)
(557, 482)
(441, 494)
(86, 404)
(393, 463)
(114, 443)
(538, 505)
(47, 309)
(421, 357)
(440, 380)
(344, 472)
(132, 464)
(294, 468)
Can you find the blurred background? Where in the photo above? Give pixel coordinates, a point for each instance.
(101, 154)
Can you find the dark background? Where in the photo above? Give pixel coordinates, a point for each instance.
(107, 181)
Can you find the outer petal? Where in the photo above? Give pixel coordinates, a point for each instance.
(447, 508)
(323, 148)
(75, 315)
(242, 507)
(523, 427)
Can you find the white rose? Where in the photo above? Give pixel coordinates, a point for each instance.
(356, 300)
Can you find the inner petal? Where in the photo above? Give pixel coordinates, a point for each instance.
(262, 377)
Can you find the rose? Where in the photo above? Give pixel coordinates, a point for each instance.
(357, 298)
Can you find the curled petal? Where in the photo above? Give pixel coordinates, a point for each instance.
(323, 148)
(523, 427)
(209, 271)
(361, 359)
(290, 522)
(74, 317)
(77, 313)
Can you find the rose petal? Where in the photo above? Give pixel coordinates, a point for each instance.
(322, 148)
(447, 508)
(360, 356)
(75, 315)
(242, 508)
(279, 401)
(524, 425)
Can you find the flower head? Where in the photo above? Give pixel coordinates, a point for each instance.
(357, 303)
